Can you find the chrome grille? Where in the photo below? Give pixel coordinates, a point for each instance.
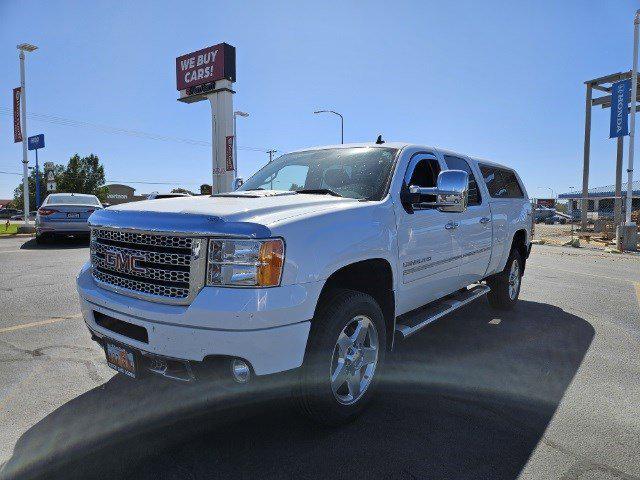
(153, 266)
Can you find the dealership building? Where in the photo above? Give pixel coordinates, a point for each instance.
(601, 200)
(118, 193)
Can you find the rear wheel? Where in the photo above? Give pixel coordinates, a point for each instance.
(345, 352)
(505, 286)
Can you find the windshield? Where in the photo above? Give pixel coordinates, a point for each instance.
(359, 172)
(72, 200)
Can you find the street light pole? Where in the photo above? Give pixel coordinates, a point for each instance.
(632, 126)
(237, 113)
(23, 107)
(341, 122)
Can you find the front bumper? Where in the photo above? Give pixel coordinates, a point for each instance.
(266, 327)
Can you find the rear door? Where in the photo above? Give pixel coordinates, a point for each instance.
(473, 232)
(425, 242)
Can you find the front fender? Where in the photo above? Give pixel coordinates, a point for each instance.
(322, 243)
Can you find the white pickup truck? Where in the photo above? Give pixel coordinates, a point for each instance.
(317, 263)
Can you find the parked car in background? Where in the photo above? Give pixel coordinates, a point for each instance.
(20, 216)
(555, 219)
(158, 195)
(542, 213)
(8, 212)
(63, 214)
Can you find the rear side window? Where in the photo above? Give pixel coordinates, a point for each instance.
(502, 183)
(457, 163)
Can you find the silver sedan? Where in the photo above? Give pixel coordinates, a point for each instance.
(65, 214)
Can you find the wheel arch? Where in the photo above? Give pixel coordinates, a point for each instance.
(372, 276)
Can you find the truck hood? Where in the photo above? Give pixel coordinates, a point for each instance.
(235, 213)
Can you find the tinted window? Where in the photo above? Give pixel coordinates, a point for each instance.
(425, 173)
(457, 163)
(64, 199)
(502, 183)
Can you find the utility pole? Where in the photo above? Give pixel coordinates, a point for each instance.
(271, 152)
(24, 47)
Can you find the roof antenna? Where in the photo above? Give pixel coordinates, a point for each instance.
(379, 141)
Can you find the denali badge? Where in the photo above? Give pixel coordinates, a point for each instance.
(124, 262)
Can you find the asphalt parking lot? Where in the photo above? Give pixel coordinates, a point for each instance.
(549, 390)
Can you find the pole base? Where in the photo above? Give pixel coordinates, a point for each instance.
(627, 237)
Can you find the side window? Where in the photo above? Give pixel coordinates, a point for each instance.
(502, 183)
(425, 173)
(457, 163)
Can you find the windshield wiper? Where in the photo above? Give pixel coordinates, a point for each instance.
(319, 191)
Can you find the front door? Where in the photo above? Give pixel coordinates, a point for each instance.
(473, 232)
(425, 242)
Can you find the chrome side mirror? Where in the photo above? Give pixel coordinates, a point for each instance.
(452, 192)
(237, 183)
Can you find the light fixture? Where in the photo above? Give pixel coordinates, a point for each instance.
(27, 47)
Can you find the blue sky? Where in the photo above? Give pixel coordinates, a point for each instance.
(501, 80)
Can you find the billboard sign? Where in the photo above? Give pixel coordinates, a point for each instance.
(205, 66)
(17, 128)
(620, 98)
(36, 142)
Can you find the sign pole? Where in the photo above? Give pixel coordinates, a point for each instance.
(37, 182)
(221, 102)
(25, 158)
(632, 129)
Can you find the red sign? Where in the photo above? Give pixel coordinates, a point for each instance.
(206, 65)
(546, 202)
(229, 153)
(17, 128)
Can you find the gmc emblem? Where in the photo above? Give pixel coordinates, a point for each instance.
(125, 262)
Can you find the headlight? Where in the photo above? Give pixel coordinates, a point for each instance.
(245, 263)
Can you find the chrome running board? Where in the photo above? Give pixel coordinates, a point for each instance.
(411, 322)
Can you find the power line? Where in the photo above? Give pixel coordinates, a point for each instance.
(56, 120)
(10, 173)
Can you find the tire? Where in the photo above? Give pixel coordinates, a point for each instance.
(331, 352)
(505, 286)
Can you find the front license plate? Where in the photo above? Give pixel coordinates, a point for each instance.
(121, 359)
(73, 215)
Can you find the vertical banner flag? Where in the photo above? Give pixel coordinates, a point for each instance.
(17, 128)
(620, 98)
(229, 152)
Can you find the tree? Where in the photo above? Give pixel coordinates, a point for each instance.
(205, 189)
(81, 175)
(18, 197)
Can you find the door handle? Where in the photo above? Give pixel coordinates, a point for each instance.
(451, 225)
(485, 220)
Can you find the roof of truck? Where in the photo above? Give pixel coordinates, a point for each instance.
(400, 145)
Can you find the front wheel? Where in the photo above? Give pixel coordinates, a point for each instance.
(505, 286)
(345, 351)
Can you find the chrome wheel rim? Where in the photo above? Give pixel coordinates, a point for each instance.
(354, 360)
(514, 280)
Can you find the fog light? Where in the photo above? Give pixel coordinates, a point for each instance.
(240, 370)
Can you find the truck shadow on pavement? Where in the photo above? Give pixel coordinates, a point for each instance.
(463, 399)
(62, 243)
